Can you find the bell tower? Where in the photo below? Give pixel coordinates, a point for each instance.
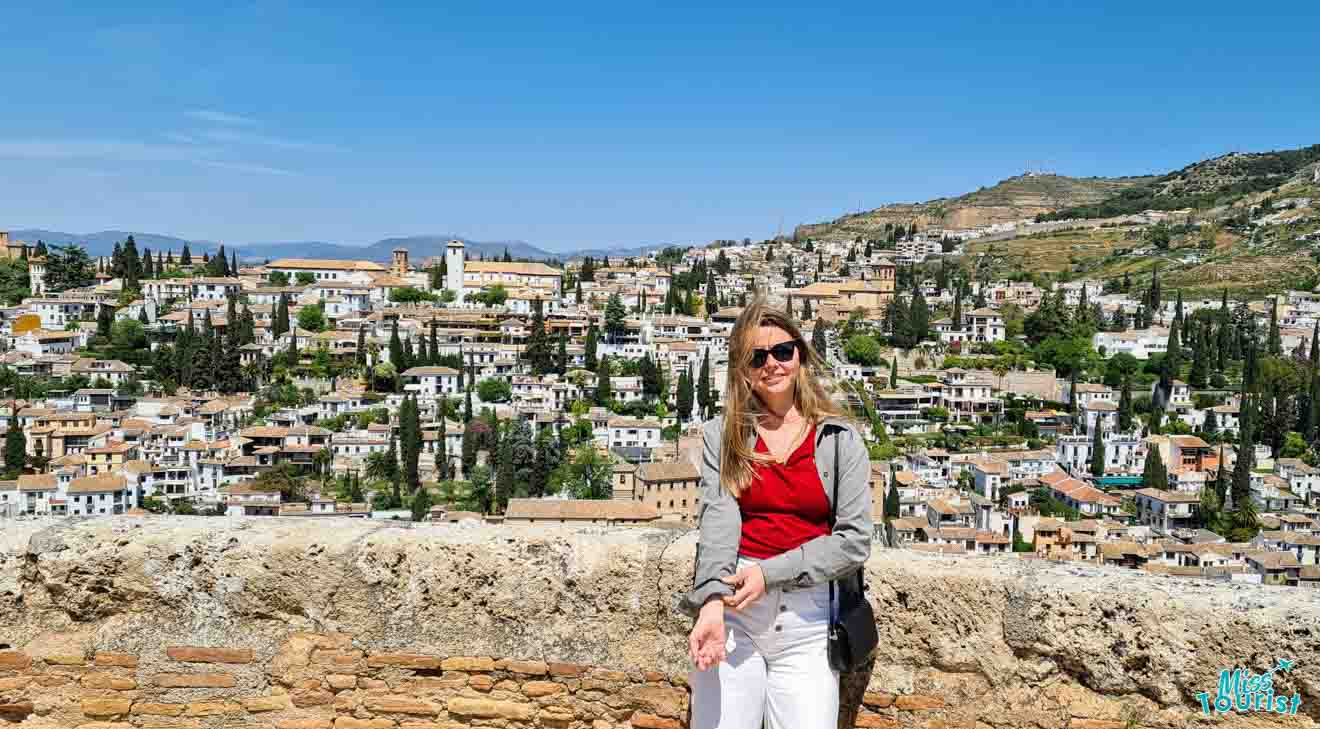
(400, 267)
(454, 255)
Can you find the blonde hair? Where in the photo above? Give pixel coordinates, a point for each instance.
(742, 408)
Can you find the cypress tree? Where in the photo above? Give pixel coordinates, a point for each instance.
(1097, 452)
(434, 358)
(590, 354)
(603, 392)
(1125, 407)
(561, 353)
(396, 346)
(1153, 473)
(1274, 344)
(685, 394)
(893, 373)
(818, 341)
(703, 387)
(1241, 486)
(1221, 479)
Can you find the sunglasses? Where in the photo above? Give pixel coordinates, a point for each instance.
(783, 352)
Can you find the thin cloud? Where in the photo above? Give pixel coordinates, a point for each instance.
(220, 117)
(250, 168)
(231, 136)
(120, 151)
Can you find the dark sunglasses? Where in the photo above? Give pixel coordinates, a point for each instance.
(783, 352)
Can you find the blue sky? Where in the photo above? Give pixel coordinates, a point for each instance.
(613, 123)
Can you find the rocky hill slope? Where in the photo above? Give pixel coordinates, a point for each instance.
(1017, 198)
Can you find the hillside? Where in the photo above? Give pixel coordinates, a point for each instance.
(1211, 183)
(1251, 243)
(1017, 198)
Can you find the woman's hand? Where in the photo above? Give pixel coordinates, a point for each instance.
(748, 584)
(706, 642)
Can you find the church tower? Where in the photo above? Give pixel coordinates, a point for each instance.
(400, 268)
(454, 269)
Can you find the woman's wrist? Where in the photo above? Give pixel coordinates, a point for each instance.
(717, 601)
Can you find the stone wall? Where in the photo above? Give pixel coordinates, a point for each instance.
(305, 624)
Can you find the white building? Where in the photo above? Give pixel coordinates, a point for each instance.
(630, 433)
(1140, 343)
(431, 381)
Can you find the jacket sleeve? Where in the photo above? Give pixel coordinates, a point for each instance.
(720, 529)
(849, 544)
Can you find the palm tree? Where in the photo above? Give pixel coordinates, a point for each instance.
(378, 466)
(321, 461)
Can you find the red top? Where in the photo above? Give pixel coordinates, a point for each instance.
(785, 506)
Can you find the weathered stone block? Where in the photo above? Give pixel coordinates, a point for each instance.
(537, 689)
(121, 660)
(396, 704)
(875, 721)
(194, 680)
(149, 708)
(198, 654)
(276, 702)
(642, 720)
(527, 668)
(100, 706)
(108, 681)
(468, 663)
(348, 722)
(877, 700)
(566, 670)
(213, 708)
(14, 661)
(490, 709)
(918, 703)
(403, 660)
(340, 681)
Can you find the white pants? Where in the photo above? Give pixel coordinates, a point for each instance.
(776, 672)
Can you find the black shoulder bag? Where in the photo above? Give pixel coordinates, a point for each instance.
(853, 636)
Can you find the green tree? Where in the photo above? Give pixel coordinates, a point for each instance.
(603, 393)
(685, 395)
(862, 349)
(494, 390)
(589, 353)
(1125, 418)
(1098, 452)
(1153, 473)
(68, 267)
(312, 318)
(615, 313)
(15, 450)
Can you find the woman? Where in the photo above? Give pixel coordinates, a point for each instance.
(768, 549)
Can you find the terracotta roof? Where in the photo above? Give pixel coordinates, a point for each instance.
(95, 484)
(672, 471)
(37, 482)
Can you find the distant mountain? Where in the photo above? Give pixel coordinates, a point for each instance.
(103, 243)
(424, 246)
(419, 247)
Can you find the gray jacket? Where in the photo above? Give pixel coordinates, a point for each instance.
(819, 560)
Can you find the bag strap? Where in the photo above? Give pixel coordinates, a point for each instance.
(834, 511)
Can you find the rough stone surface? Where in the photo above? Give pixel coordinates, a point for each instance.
(978, 642)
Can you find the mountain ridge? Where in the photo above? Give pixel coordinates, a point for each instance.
(101, 243)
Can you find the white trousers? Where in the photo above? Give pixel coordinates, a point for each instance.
(776, 673)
